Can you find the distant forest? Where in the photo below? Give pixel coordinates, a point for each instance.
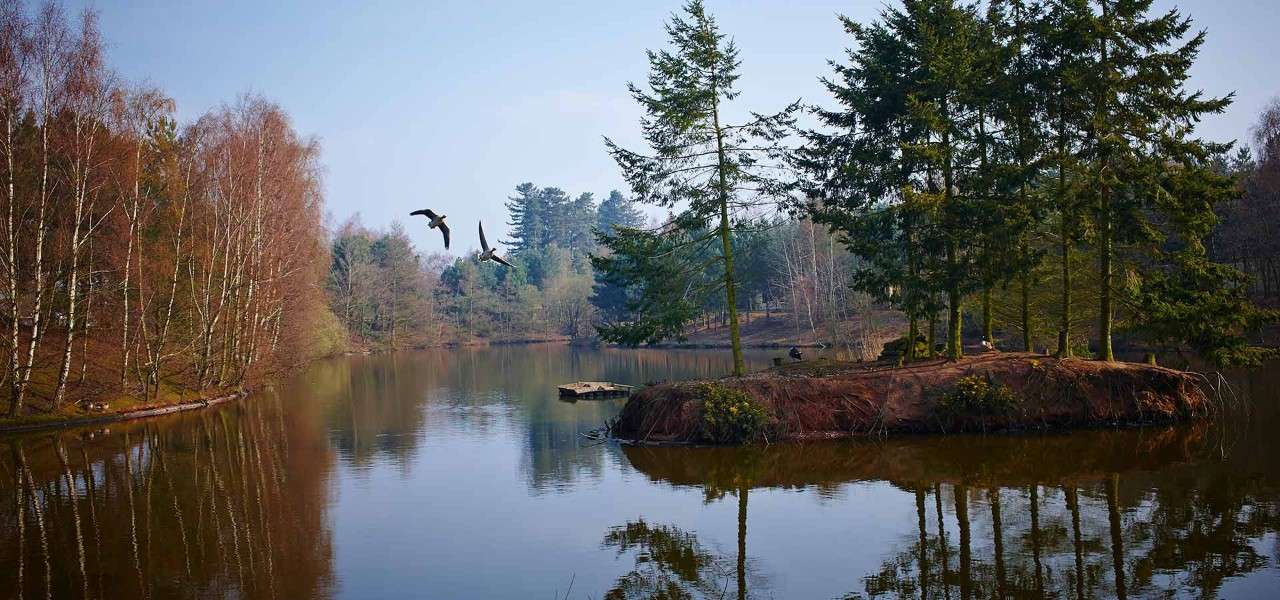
(390, 294)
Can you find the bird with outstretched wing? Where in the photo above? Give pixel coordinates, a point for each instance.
(436, 222)
(488, 253)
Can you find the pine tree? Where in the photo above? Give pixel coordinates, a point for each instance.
(713, 170)
(658, 278)
(1135, 84)
(618, 211)
(580, 220)
(1018, 113)
(1181, 297)
(526, 214)
(893, 169)
(609, 296)
(1061, 43)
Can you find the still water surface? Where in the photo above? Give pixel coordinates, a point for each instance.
(460, 474)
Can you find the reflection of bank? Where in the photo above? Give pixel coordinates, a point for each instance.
(217, 503)
(1090, 514)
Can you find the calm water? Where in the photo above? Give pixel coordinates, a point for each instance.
(459, 474)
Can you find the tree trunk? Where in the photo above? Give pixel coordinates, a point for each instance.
(726, 246)
(1065, 231)
(1105, 309)
(987, 328)
(1026, 313)
(37, 310)
(954, 323)
(14, 369)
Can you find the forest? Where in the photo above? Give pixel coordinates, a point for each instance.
(1032, 165)
(143, 259)
(390, 295)
(1021, 173)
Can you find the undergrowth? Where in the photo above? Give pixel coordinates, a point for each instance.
(977, 396)
(730, 416)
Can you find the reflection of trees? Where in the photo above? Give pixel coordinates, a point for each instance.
(222, 503)
(382, 407)
(1084, 541)
(1086, 515)
(672, 563)
(375, 406)
(1205, 528)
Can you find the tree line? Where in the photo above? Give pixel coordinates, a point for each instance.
(141, 257)
(1035, 158)
(1248, 237)
(389, 295)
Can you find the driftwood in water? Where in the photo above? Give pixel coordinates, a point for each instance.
(593, 389)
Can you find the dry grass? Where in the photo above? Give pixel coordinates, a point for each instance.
(831, 399)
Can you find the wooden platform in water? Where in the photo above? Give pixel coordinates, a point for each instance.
(594, 389)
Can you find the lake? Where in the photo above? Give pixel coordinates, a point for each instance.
(461, 474)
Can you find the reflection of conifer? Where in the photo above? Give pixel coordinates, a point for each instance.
(672, 563)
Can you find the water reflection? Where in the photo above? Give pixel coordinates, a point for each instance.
(1088, 515)
(461, 474)
(379, 406)
(225, 503)
(672, 563)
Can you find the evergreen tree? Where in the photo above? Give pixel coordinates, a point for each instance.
(618, 210)
(898, 170)
(1180, 296)
(658, 279)
(1061, 43)
(528, 214)
(1140, 121)
(1017, 116)
(714, 170)
(580, 220)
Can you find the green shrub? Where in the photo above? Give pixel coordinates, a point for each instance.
(976, 396)
(328, 335)
(730, 416)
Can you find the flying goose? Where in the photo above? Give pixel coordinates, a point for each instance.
(437, 222)
(488, 253)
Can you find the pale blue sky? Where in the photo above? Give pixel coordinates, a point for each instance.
(451, 104)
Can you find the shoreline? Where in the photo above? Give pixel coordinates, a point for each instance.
(580, 343)
(140, 413)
